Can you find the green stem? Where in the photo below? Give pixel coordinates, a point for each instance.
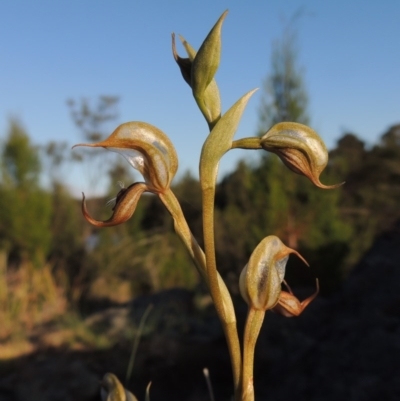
(230, 328)
(182, 229)
(247, 143)
(217, 287)
(209, 247)
(254, 322)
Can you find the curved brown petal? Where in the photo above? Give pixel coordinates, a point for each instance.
(123, 209)
(289, 306)
(185, 64)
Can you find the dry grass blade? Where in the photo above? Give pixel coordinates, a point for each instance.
(206, 374)
(136, 341)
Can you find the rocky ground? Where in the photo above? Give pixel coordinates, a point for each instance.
(343, 348)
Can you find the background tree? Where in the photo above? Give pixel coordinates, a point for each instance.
(285, 97)
(266, 198)
(25, 209)
(95, 121)
(20, 160)
(143, 253)
(369, 200)
(91, 119)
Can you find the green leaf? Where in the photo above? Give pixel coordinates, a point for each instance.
(219, 141)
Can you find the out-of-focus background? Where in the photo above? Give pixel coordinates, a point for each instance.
(76, 301)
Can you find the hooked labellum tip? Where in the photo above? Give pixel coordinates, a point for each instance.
(126, 202)
(289, 306)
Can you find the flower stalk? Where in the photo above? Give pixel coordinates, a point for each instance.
(253, 325)
(150, 151)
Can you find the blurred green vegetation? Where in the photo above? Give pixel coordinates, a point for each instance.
(52, 261)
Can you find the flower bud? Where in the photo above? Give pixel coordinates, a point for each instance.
(147, 149)
(113, 390)
(300, 149)
(206, 62)
(260, 280)
(209, 101)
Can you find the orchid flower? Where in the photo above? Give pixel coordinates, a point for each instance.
(300, 148)
(261, 279)
(148, 150)
(260, 285)
(113, 390)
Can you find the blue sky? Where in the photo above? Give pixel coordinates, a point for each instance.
(51, 51)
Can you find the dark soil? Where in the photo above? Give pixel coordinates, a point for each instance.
(346, 347)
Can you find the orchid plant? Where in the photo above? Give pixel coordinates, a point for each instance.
(150, 151)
